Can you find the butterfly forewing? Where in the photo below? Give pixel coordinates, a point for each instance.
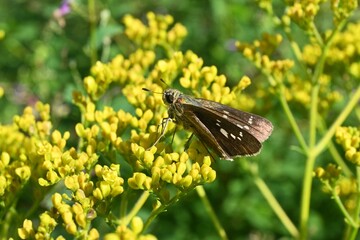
(257, 126)
(231, 140)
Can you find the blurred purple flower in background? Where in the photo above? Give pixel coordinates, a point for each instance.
(65, 8)
(61, 11)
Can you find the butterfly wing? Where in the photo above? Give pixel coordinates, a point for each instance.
(257, 126)
(228, 131)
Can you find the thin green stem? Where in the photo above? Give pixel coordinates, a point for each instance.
(313, 115)
(276, 207)
(292, 120)
(162, 208)
(202, 194)
(354, 230)
(306, 195)
(316, 34)
(124, 203)
(138, 205)
(7, 218)
(252, 169)
(348, 217)
(92, 22)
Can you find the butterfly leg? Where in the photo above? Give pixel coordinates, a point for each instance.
(187, 144)
(164, 123)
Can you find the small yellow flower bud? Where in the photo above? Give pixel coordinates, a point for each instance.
(116, 191)
(137, 225)
(185, 82)
(97, 194)
(181, 168)
(27, 231)
(81, 220)
(148, 158)
(71, 228)
(137, 181)
(186, 181)
(94, 235)
(176, 178)
(166, 175)
(71, 182)
(105, 189)
(24, 173)
(5, 158)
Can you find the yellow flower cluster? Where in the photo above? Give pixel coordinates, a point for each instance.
(343, 9)
(86, 201)
(46, 225)
(349, 139)
(172, 169)
(331, 173)
(21, 144)
(300, 91)
(335, 183)
(259, 54)
(342, 55)
(156, 33)
(303, 12)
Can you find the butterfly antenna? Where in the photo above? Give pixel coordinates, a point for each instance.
(148, 90)
(163, 81)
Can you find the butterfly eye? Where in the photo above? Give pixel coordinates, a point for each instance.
(169, 97)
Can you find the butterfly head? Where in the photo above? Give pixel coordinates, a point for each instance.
(170, 96)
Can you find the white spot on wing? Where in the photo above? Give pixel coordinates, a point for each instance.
(233, 136)
(224, 132)
(239, 126)
(251, 120)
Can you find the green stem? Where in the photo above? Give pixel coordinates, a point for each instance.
(292, 120)
(310, 162)
(313, 115)
(338, 201)
(306, 195)
(162, 208)
(138, 205)
(202, 194)
(276, 207)
(315, 33)
(92, 22)
(355, 229)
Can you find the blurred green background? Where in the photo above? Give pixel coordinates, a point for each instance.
(43, 57)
